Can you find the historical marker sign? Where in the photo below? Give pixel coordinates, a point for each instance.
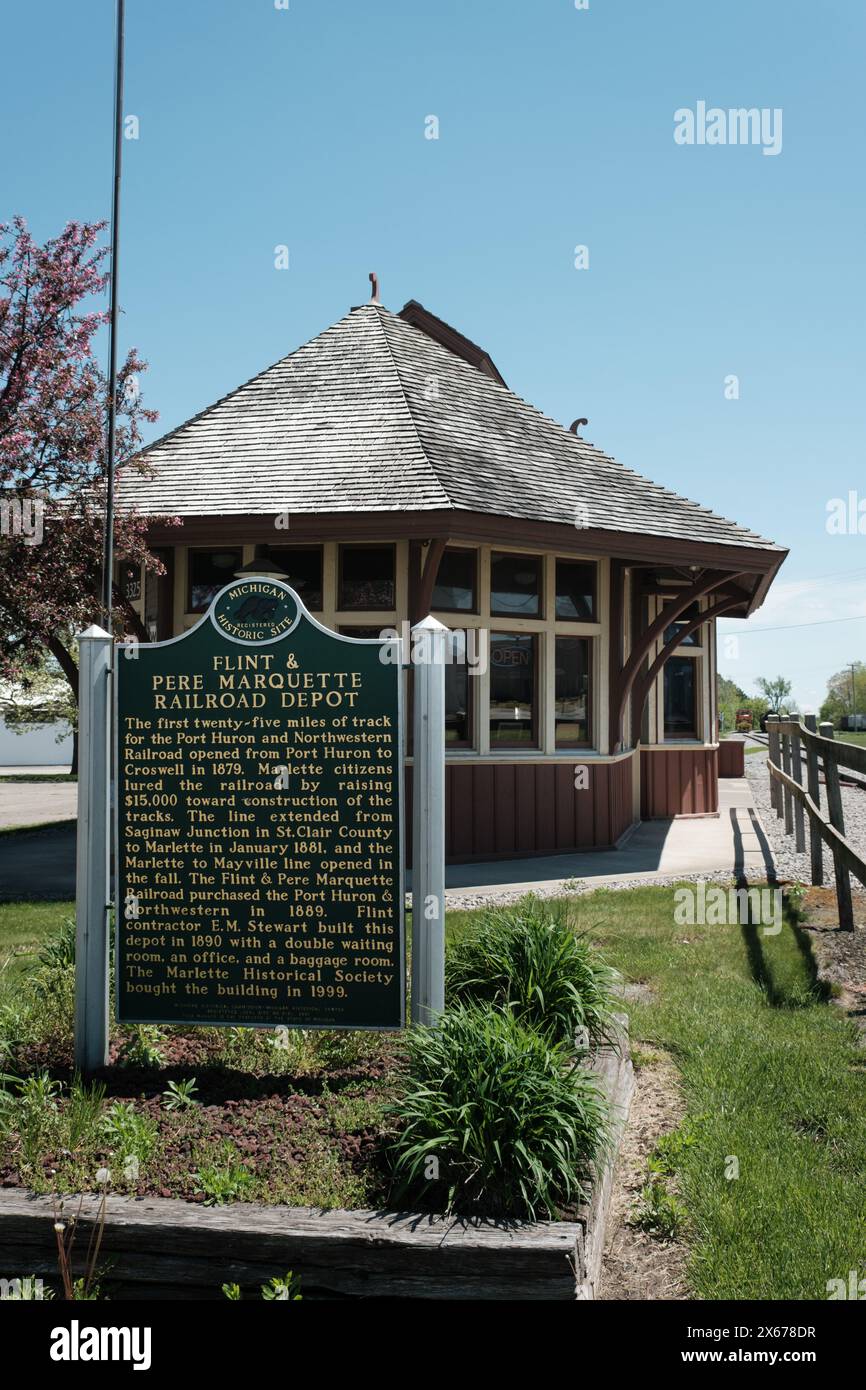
(259, 822)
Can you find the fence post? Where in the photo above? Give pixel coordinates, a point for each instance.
(799, 813)
(428, 822)
(814, 787)
(787, 796)
(92, 871)
(773, 741)
(837, 820)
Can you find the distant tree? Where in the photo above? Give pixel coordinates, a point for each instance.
(53, 403)
(777, 694)
(729, 698)
(845, 691)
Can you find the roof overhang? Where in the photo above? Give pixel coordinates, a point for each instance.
(755, 567)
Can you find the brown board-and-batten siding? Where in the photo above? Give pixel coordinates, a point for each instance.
(500, 810)
(679, 782)
(732, 758)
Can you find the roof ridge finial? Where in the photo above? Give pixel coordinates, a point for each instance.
(374, 281)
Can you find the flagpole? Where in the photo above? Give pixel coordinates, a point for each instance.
(108, 550)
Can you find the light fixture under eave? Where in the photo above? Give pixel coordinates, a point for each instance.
(262, 568)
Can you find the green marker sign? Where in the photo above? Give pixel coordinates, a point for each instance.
(259, 822)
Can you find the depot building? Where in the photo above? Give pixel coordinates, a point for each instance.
(387, 471)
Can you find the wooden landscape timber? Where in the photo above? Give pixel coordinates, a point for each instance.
(158, 1248)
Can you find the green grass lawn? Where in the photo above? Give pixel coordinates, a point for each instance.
(23, 928)
(855, 736)
(772, 1076)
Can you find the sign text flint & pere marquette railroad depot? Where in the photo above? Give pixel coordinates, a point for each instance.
(259, 823)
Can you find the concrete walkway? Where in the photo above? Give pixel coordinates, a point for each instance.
(732, 842)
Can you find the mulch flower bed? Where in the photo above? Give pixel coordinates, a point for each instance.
(313, 1135)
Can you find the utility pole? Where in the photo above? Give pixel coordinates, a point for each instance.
(108, 544)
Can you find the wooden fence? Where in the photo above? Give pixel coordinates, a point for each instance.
(795, 796)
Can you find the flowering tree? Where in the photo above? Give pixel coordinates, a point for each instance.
(53, 403)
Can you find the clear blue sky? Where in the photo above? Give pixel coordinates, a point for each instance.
(260, 127)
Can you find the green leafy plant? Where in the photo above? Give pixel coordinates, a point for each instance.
(659, 1212)
(492, 1119)
(225, 1180)
(285, 1290)
(58, 952)
(131, 1134)
(277, 1290)
(180, 1095)
(82, 1112)
(143, 1047)
(28, 1107)
(667, 1156)
(528, 959)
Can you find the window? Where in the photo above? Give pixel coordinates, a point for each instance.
(458, 693)
(366, 577)
(303, 566)
(361, 631)
(575, 591)
(513, 689)
(571, 709)
(456, 587)
(680, 698)
(693, 639)
(515, 585)
(209, 571)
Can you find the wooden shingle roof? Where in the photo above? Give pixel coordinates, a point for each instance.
(376, 415)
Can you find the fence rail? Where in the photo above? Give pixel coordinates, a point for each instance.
(794, 797)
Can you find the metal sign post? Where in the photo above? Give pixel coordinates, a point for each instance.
(428, 822)
(92, 872)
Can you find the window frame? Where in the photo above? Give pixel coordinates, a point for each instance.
(590, 677)
(342, 547)
(539, 556)
(534, 745)
(475, 554)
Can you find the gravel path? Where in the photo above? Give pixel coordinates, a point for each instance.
(790, 864)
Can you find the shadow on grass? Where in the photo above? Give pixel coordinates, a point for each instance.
(783, 994)
(779, 994)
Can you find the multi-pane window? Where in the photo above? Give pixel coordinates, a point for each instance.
(303, 567)
(366, 577)
(456, 587)
(513, 689)
(515, 585)
(575, 590)
(209, 571)
(572, 695)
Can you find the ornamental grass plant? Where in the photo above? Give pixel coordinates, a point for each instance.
(493, 1120)
(528, 959)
